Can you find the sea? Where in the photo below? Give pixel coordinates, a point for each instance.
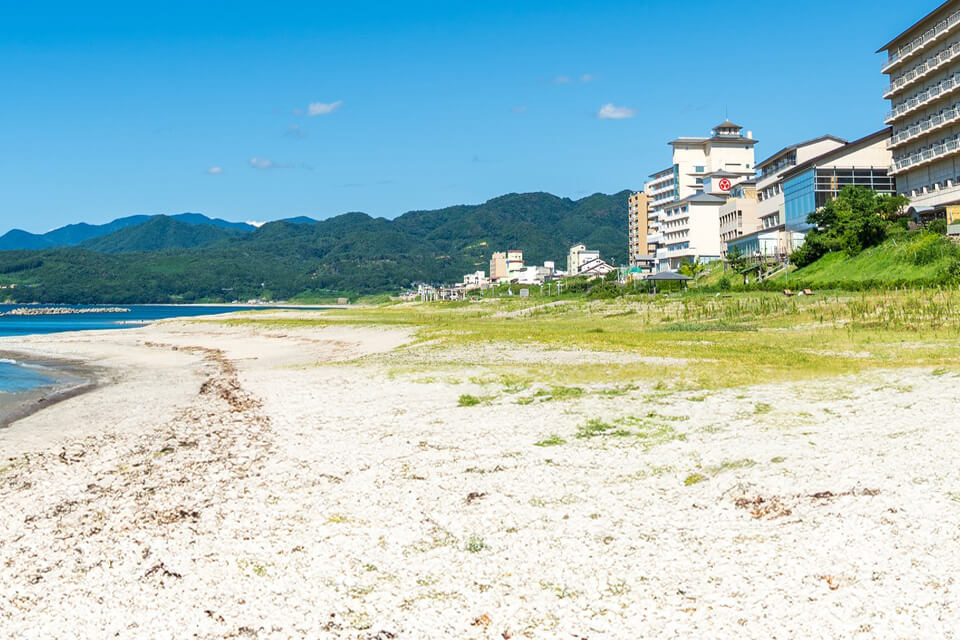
(18, 377)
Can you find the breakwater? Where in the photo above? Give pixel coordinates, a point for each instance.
(61, 311)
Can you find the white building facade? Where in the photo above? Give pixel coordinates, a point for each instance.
(923, 65)
(578, 256)
(681, 227)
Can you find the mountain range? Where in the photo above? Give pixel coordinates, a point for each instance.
(75, 234)
(189, 257)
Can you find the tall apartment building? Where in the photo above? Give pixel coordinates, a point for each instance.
(640, 251)
(923, 64)
(685, 197)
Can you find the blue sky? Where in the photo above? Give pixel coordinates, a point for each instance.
(259, 111)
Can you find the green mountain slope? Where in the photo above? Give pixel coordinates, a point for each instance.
(159, 233)
(351, 253)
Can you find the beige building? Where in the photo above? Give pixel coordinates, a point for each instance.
(640, 249)
(923, 64)
(578, 257)
(738, 215)
(505, 265)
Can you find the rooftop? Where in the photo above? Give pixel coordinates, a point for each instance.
(911, 31)
(794, 147)
(700, 198)
(839, 152)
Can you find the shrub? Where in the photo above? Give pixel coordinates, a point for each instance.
(469, 401)
(929, 248)
(605, 290)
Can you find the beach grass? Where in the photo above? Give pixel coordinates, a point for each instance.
(711, 342)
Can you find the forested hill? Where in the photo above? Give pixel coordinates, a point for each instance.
(348, 254)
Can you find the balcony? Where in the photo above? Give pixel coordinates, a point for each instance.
(925, 157)
(923, 70)
(921, 42)
(922, 99)
(657, 190)
(929, 125)
(655, 237)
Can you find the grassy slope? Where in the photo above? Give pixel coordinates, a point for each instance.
(905, 259)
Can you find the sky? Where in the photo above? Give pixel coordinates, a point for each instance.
(254, 111)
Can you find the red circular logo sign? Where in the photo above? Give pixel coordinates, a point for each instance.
(724, 185)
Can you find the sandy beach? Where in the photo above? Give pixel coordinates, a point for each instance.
(239, 482)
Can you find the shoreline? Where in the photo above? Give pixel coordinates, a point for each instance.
(71, 379)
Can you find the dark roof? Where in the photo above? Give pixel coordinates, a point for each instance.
(839, 151)
(794, 147)
(700, 198)
(915, 25)
(736, 139)
(662, 171)
(667, 275)
(727, 125)
(722, 174)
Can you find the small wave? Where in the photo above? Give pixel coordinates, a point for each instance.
(7, 361)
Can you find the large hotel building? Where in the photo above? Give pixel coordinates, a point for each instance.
(923, 64)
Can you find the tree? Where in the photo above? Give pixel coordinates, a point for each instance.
(855, 220)
(736, 259)
(692, 269)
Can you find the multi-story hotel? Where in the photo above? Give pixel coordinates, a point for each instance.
(770, 199)
(684, 197)
(798, 180)
(641, 252)
(923, 64)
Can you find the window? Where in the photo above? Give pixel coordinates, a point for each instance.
(698, 168)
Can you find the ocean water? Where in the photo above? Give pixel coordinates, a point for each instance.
(18, 376)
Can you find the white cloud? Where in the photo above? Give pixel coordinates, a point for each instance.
(562, 80)
(215, 170)
(323, 108)
(256, 223)
(587, 77)
(611, 112)
(266, 163)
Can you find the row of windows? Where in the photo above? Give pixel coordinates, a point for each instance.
(924, 93)
(933, 187)
(896, 76)
(769, 192)
(734, 217)
(784, 162)
(926, 147)
(944, 114)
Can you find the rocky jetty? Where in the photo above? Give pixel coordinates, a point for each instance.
(61, 311)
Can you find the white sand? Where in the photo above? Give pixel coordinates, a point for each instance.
(246, 485)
